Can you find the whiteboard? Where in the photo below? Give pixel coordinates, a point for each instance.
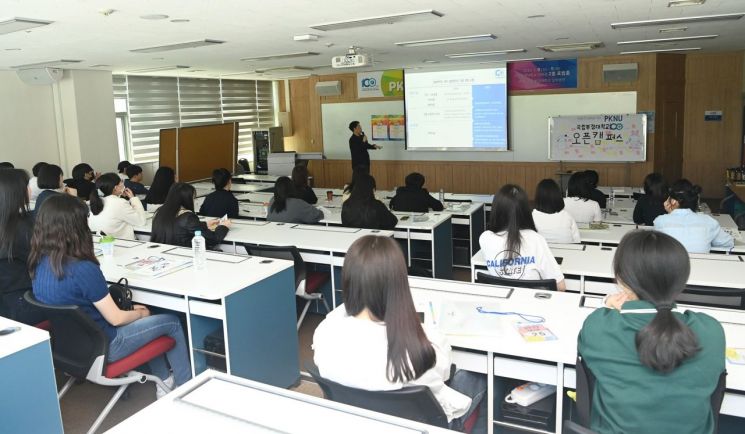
(528, 116)
(609, 137)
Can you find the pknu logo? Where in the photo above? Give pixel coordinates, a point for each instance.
(369, 82)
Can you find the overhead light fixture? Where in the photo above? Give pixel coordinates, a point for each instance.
(661, 50)
(179, 46)
(17, 24)
(428, 61)
(154, 17)
(180, 20)
(673, 29)
(382, 19)
(452, 40)
(158, 68)
(526, 59)
(280, 56)
(682, 38)
(305, 38)
(12, 49)
(680, 3)
(579, 46)
(285, 69)
(484, 53)
(100, 66)
(536, 16)
(680, 20)
(49, 63)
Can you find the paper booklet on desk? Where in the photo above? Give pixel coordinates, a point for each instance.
(462, 318)
(533, 332)
(156, 266)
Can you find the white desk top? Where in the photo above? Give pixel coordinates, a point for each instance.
(614, 233)
(620, 191)
(218, 403)
(219, 279)
(253, 177)
(207, 187)
(26, 337)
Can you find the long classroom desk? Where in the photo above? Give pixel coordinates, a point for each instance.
(219, 403)
(490, 344)
(250, 299)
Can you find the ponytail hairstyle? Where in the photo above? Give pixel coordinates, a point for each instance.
(180, 196)
(510, 212)
(685, 193)
(374, 277)
(656, 267)
(283, 190)
(106, 183)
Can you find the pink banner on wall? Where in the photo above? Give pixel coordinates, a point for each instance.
(542, 74)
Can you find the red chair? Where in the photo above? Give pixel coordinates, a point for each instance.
(80, 349)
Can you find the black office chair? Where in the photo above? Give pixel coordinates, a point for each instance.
(545, 284)
(414, 403)
(722, 293)
(80, 349)
(244, 165)
(307, 283)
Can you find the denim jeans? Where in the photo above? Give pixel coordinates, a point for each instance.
(472, 385)
(129, 338)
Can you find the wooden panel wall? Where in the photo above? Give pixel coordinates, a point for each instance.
(669, 113)
(713, 82)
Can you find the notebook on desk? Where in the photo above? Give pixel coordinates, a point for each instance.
(462, 318)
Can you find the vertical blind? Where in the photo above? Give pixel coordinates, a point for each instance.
(155, 103)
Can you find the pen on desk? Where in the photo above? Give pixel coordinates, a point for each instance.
(432, 312)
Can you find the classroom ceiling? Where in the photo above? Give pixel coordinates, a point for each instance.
(101, 33)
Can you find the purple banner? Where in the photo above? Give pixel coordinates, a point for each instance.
(542, 74)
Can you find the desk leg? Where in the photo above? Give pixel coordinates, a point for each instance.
(442, 251)
(333, 281)
(559, 397)
(490, 393)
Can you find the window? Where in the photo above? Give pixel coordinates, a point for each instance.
(145, 105)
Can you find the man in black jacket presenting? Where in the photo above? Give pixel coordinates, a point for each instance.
(358, 146)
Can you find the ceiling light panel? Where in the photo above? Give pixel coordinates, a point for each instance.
(682, 38)
(280, 56)
(580, 46)
(680, 20)
(662, 50)
(178, 46)
(452, 40)
(484, 53)
(673, 29)
(681, 3)
(382, 19)
(158, 68)
(18, 24)
(61, 62)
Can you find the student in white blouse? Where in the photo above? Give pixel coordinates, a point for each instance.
(578, 202)
(551, 219)
(113, 214)
(355, 346)
(511, 246)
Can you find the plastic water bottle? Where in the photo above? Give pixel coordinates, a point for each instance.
(199, 248)
(442, 195)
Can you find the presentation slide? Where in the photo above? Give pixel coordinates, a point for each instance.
(456, 110)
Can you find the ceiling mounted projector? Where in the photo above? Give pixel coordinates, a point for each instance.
(352, 59)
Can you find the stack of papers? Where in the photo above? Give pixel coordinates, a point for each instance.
(156, 266)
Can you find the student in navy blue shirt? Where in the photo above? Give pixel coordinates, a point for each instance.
(221, 201)
(134, 183)
(65, 271)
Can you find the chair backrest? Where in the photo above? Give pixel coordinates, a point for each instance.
(545, 284)
(723, 293)
(77, 341)
(290, 253)
(244, 164)
(414, 403)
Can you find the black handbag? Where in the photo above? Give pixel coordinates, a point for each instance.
(121, 294)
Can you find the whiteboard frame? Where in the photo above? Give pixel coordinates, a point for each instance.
(644, 144)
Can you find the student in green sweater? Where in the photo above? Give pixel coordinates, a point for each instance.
(656, 366)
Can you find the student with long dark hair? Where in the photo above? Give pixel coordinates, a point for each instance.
(65, 271)
(375, 341)
(552, 221)
(696, 231)
(33, 183)
(356, 173)
(512, 247)
(175, 221)
(221, 201)
(50, 182)
(593, 179)
(363, 210)
(163, 179)
(651, 204)
(83, 180)
(302, 189)
(16, 227)
(579, 203)
(414, 197)
(286, 207)
(113, 214)
(656, 366)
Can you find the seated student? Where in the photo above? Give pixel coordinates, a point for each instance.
(33, 183)
(7, 165)
(175, 221)
(551, 219)
(285, 207)
(134, 181)
(374, 341)
(83, 180)
(652, 203)
(656, 366)
(578, 202)
(414, 197)
(221, 201)
(112, 214)
(50, 183)
(65, 271)
(162, 181)
(511, 246)
(356, 172)
(598, 196)
(122, 169)
(363, 210)
(16, 226)
(302, 189)
(697, 232)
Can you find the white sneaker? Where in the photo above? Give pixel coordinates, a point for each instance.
(161, 392)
